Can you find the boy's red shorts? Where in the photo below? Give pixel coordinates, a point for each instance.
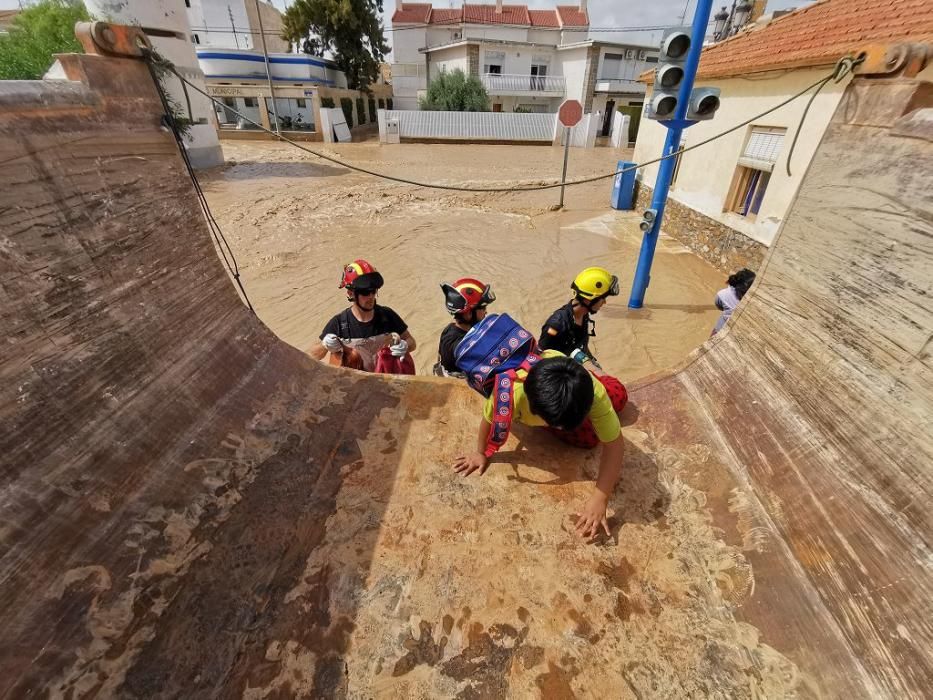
(584, 435)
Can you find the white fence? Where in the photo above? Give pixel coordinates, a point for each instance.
(472, 126)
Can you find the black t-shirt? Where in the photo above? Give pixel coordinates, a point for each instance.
(450, 338)
(569, 336)
(345, 325)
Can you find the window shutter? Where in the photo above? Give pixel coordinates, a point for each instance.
(763, 148)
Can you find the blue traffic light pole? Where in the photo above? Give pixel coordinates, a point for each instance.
(675, 128)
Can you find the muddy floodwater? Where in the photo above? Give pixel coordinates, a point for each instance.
(294, 220)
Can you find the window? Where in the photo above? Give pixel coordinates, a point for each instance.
(187, 3)
(651, 59)
(753, 172)
(229, 101)
(494, 62)
(251, 101)
(301, 103)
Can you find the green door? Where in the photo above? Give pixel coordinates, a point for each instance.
(634, 113)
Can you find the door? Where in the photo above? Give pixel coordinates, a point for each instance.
(634, 113)
(538, 74)
(607, 118)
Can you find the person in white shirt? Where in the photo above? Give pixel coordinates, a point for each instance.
(727, 299)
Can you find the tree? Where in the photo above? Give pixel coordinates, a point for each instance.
(348, 29)
(456, 92)
(39, 32)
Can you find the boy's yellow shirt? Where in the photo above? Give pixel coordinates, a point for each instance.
(605, 420)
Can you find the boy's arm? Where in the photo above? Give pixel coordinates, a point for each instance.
(467, 464)
(593, 515)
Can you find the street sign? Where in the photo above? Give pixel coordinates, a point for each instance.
(570, 112)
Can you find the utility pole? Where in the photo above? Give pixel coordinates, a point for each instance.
(675, 111)
(265, 54)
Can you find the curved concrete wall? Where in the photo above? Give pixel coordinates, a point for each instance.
(190, 507)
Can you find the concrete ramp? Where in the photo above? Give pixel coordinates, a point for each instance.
(192, 508)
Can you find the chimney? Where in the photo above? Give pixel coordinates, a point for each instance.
(498, 7)
(582, 5)
(400, 5)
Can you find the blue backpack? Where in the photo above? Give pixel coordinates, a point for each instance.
(490, 355)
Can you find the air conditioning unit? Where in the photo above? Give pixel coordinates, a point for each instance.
(642, 55)
(630, 54)
(458, 35)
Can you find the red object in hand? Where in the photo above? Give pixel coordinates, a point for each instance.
(387, 363)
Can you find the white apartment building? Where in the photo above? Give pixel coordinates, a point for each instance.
(529, 60)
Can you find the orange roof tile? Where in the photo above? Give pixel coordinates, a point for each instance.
(486, 14)
(413, 13)
(446, 16)
(423, 13)
(572, 16)
(543, 18)
(816, 35)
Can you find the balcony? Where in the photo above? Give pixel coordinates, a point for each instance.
(619, 85)
(499, 84)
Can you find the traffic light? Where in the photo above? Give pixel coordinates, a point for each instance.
(669, 75)
(647, 219)
(703, 104)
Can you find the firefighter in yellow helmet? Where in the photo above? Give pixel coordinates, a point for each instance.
(570, 328)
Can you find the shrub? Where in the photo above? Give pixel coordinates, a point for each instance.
(382, 103)
(372, 110)
(456, 92)
(346, 104)
(360, 110)
(389, 103)
(327, 102)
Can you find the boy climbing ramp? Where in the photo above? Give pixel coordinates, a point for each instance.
(548, 390)
(569, 329)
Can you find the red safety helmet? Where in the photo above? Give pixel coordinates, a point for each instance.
(467, 294)
(360, 276)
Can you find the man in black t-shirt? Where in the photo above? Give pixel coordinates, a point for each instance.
(569, 329)
(466, 300)
(364, 318)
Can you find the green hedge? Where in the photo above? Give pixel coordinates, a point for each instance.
(346, 104)
(372, 110)
(360, 110)
(388, 103)
(327, 102)
(382, 103)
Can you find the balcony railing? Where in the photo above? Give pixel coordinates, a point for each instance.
(619, 85)
(499, 84)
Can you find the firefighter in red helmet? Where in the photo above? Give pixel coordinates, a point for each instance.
(466, 301)
(364, 322)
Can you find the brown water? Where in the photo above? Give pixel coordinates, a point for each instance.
(293, 222)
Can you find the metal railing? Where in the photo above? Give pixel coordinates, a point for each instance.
(506, 84)
(618, 85)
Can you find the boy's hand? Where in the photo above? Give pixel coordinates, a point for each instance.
(592, 516)
(468, 464)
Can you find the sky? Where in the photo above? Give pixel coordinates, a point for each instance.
(603, 13)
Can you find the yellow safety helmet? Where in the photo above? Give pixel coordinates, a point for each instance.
(595, 283)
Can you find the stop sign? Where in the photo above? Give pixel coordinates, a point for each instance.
(570, 112)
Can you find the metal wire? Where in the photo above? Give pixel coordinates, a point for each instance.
(518, 188)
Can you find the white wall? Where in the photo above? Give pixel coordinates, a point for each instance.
(405, 45)
(494, 32)
(629, 69)
(449, 60)
(204, 15)
(573, 67)
(569, 36)
(437, 36)
(544, 36)
(705, 175)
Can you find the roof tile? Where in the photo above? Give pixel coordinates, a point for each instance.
(414, 13)
(572, 16)
(544, 18)
(817, 35)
